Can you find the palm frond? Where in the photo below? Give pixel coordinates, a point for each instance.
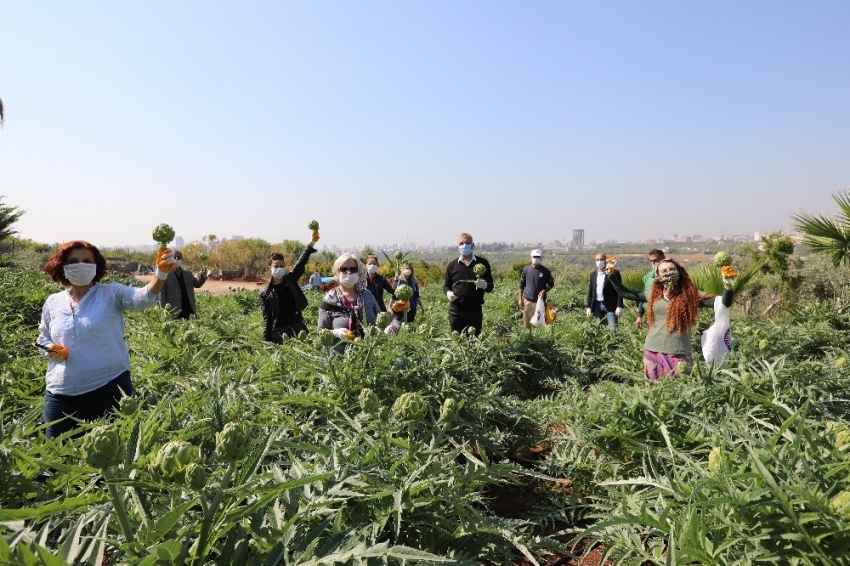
(825, 235)
(708, 278)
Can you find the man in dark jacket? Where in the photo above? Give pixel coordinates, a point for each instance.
(283, 300)
(603, 301)
(534, 282)
(178, 292)
(464, 289)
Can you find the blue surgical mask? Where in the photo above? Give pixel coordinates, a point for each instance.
(465, 249)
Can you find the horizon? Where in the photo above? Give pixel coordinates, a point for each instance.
(415, 122)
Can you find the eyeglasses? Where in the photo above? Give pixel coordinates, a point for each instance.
(535, 257)
(345, 269)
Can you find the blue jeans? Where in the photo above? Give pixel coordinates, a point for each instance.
(88, 406)
(600, 312)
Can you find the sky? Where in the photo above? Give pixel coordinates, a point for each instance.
(415, 121)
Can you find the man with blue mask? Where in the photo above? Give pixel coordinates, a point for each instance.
(465, 285)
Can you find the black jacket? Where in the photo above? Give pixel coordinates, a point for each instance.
(270, 301)
(460, 279)
(610, 298)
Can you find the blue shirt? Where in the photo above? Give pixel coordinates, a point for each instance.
(93, 332)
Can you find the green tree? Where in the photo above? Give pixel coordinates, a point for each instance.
(777, 249)
(8, 216)
(828, 236)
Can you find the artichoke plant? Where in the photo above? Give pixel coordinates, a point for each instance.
(102, 447)
(231, 443)
(369, 401)
(409, 407)
(173, 459)
(163, 234)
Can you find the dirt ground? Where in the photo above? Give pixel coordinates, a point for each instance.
(215, 286)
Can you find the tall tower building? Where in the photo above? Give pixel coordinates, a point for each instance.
(578, 238)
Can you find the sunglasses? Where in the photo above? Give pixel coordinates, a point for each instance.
(348, 269)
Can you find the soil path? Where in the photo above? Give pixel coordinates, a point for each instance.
(217, 287)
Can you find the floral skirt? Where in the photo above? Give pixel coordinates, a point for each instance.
(659, 364)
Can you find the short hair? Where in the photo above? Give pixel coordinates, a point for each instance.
(372, 256)
(345, 257)
(657, 253)
(466, 235)
(55, 264)
(275, 256)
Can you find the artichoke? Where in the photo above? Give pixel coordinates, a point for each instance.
(313, 225)
(173, 459)
(326, 338)
(479, 270)
(449, 410)
(382, 320)
(399, 255)
(369, 401)
(404, 292)
(196, 476)
(102, 447)
(384, 413)
(840, 503)
(128, 405)
(202, 257)
(715, 460)
(722, 258)
(163, 234)
(231, 443)
(409, 407)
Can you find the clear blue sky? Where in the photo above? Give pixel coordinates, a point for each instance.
(513, 121)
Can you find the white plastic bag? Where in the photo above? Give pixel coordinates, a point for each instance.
(717, 338)
(539, 316)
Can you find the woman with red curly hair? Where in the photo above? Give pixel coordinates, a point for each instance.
(82, 334)
(672, 309)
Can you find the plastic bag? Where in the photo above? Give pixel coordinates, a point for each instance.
(539, 316)
(717, 338)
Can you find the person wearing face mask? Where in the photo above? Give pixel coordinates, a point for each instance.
(283, 300)
(672, 308)
(406, 277)
(602, 299)
(178, 293)
(349, 306)
(82, 334)
(534, 282)
(377, 283)
(464, 289)
(655, 257)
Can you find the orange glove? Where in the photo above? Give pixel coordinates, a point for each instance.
(728, 272)
(164, 263)
(315, 235)
(400, 306)
(57, 352)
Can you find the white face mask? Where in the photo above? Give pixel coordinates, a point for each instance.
(278, 272)
(406, 272)
(600, 264)
(348, 280)
(535, 261)
(80, 273)
(178, 262)
(371, 269)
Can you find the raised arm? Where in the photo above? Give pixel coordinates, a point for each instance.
(625, 292)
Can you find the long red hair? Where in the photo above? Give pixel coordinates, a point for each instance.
(54, 266)
(683, 308)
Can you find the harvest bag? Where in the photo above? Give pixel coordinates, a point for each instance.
(717, 338)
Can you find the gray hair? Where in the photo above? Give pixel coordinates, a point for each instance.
(343, 259)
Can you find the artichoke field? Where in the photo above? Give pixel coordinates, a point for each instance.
(519, 446)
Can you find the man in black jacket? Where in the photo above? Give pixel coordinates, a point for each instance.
(464, 289)
(283, 300)
(603, 301)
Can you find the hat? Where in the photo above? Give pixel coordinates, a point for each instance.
(537, 253)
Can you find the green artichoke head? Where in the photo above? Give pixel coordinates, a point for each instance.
(840, 503)
(313, 225)
(196, 476)
(409, 407)
(102, 447)
(722, 258)
(231, 443)
(404, 292)
(449, 410)
(479, 270)
(173, 458)
(203, 256)
(370, 403)
(163, 234)
(715, 460)
(382, 320)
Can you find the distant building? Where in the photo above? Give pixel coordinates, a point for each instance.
(178, 242)
(578, 239)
